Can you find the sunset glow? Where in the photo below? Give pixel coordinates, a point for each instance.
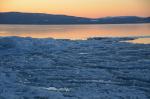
(84, 8)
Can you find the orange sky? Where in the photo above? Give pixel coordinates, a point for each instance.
(84, 8)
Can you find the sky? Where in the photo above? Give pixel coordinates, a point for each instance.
(82, 8)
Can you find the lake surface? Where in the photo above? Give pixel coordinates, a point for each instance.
(82, 69)
(75, 32)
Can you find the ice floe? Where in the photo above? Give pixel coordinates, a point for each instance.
(97, 68)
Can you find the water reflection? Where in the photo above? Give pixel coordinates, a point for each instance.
(75, 31)
(140, 41)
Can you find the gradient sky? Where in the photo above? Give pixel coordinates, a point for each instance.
(84, 8)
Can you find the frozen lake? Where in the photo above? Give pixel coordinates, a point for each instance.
(100, 68)
(108, 67)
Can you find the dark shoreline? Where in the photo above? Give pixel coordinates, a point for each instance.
(76, 24)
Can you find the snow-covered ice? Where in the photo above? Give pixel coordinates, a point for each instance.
(99, 68)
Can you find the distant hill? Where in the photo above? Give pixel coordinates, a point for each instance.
(41, 18)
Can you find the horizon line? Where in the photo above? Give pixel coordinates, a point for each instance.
(74, 15)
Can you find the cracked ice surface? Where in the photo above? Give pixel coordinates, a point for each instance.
(100, 68)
